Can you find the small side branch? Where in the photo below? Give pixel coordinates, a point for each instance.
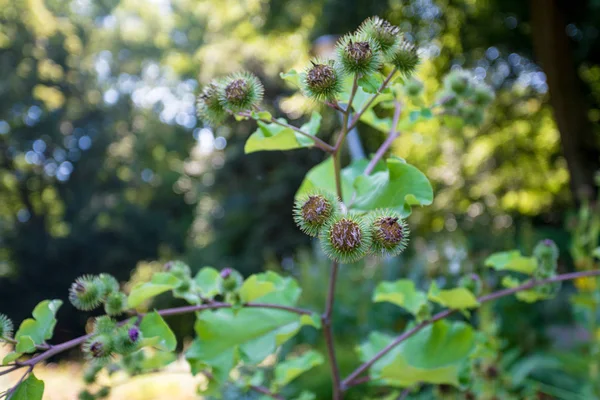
(349, 381)
(266, 392)
(372, 99)
(388, 142)
(321, 144)
(59, 348)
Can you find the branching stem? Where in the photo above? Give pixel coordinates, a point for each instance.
(321, 144)
(59, 348)
(351, 379)
(372, 99)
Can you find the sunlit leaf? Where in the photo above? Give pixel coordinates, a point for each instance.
(528, 296)
(34, 331)
(511, 261)
(208, 280)
(401, 293)
(262, 115)
(269, 287)
(456, 298)
(158, 360)
(161, 282)
(25, 344)
(154, 326)
(10, 357)
(273, 136)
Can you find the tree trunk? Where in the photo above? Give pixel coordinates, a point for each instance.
(552, 49)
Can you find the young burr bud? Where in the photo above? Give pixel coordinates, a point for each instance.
(481, 94)
(471, 282)
(313, 211)
(208, 105)
(231, 280)
(6, 327)
(405, 57)
(546, 254)
(358, 54)
(241, 92)
(345, 238)
(104, 324)
(178, 269)
(472, 115)
(108, 284)
(413, 88)
(127, 339)
(115, 303)
(103, 392)
(458, 82)
(99, 347)
(382, 32)
(86, 293)
(85, 395)
(448, 99)
(322, 80)
(388, 231)
(91, 372)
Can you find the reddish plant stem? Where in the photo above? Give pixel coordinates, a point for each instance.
(349, 381)
(59, 348)
(266, 392)
(366, 107)
(326, 317)
(321, 144)
(388, 142)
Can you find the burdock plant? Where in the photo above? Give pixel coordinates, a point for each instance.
(352, 210)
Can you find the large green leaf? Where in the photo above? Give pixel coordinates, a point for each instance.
(154, 326)
(399, 188)
(208, 280)
(250, 333)
(401, 293)
(35, 331)
(434, 355)
(456, 298)
(161, 282)
(273, 137)
(290, 369)
(322, 176)
(30, 389)
(511, 261)
(269, 287)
